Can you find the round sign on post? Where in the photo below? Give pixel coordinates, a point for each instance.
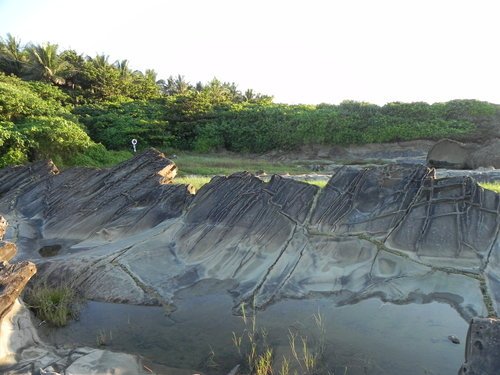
(134, 143)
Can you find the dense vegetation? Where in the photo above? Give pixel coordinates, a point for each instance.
(85, 110)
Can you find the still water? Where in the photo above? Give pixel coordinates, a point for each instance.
(370, 337)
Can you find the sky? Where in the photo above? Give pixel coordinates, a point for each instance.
(310, 52)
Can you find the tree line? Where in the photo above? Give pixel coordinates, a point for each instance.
(79, 109)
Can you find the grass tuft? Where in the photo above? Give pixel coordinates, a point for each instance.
(196, 181)
(319, 183)
(495, 186)
(306, 356)
(52, 304)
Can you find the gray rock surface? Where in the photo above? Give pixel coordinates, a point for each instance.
(480, 174)
(482, 348)
(394, 232)
(394, 152)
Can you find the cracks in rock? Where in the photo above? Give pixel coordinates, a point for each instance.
(148, 290)
(297, 226)
(413, 202)
(270, 268)
(314, 203)
(479, 276)
(293, 269)
(342, 205)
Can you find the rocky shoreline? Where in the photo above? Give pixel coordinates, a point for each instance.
(128, 235)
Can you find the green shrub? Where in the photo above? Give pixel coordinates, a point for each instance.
(97, 156)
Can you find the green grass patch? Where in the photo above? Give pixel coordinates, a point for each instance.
(196, 181)
(495, 186)
(319, 183)
(226, 164)
(52, 304)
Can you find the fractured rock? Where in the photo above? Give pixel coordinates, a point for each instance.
(393, 231)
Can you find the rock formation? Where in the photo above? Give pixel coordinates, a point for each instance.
(482, 348)
(13, 277)
(22, 351)
(451, 154)
(127, 235)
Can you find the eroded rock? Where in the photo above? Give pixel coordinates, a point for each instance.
(394, 232)
(13, 277)
(451, 154)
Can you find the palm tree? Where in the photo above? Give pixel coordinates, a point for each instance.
(151, 75)
(175, 86)
(233, 92)
(47, 65)
(123, 68)
(13, 57)
(218, 92)
(100, 61)
(249, 95)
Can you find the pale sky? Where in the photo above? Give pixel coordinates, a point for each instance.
(311, 51)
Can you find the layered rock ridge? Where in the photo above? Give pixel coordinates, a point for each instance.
(395, 232)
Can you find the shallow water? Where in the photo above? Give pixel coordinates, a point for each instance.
(370, 337)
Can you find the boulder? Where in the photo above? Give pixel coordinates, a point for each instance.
(450, 154)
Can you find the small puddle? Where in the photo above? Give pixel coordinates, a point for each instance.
(49, 250)
(370, 337)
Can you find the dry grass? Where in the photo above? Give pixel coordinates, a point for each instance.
(258, 356)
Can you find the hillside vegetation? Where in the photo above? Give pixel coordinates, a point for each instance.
(81, 110)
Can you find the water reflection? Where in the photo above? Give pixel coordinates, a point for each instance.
(370, 337)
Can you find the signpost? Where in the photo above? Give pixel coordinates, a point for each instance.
(134, 144)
